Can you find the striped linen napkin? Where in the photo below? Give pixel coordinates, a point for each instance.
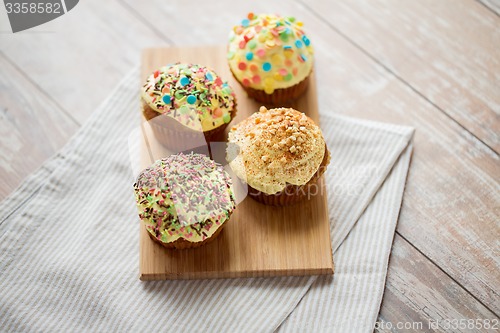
(69, 241)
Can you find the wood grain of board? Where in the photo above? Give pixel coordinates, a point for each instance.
(258, 240)
(447, 50)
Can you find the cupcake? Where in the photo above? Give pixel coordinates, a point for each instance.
(280, 153)
(271, 57)
(194, 102)
(184, 200)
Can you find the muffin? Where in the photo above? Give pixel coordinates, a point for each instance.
(194, 102)
(271, 57)
(184, 200)
(280, 153)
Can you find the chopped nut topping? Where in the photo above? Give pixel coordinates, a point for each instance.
(257, 120)
(293, 149)
(264, 158)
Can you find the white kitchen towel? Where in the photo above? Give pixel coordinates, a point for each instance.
(69, 241)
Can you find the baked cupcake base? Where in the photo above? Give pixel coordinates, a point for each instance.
(279, 96)
(181, 243)
(292, 193)
(175, 136)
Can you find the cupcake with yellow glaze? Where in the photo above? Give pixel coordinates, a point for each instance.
(184, 200)
(184, 102)
(271, 57)
(280, 153)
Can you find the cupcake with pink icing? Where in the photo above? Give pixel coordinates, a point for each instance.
(184, 200)
(271, 57)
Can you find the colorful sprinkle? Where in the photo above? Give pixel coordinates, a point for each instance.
(184, 81)
(209, 77)
(256, 79)
(260, 53)
(217, 113)
(266, 66)
(288, 77)
(246, 82)
(242, 44)
(283, 72)
(230, 55)
(250, 16)
(258, 28)
(270, 43)
(156, 73)
(166, 99)
(248, 37)
(238, 30)
(306, 40)
(254, 68)
(249, 56)
(245, 22)
(298, 44)
(242, 66)
(191, 99)
(252, 44)
(276, 59)
(226, 118)
(288, 62)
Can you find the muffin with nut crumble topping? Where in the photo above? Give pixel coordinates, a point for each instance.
(280, 153)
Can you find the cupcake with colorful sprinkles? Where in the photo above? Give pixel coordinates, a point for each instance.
(184, 102)
(184, 200)
(271, 57)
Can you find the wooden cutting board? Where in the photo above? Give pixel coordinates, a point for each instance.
(258, 240)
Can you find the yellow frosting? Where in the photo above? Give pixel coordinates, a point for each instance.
(184, 196)
(276, 147)
(193, 95)
(269, 52)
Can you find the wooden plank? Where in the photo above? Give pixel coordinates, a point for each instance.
(446, 50)
(450, 209)
(259, 240)
(493, 5)
(411, 299)
(32, 127)
(80, 57)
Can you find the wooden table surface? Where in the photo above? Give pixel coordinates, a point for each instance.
(431, 64)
